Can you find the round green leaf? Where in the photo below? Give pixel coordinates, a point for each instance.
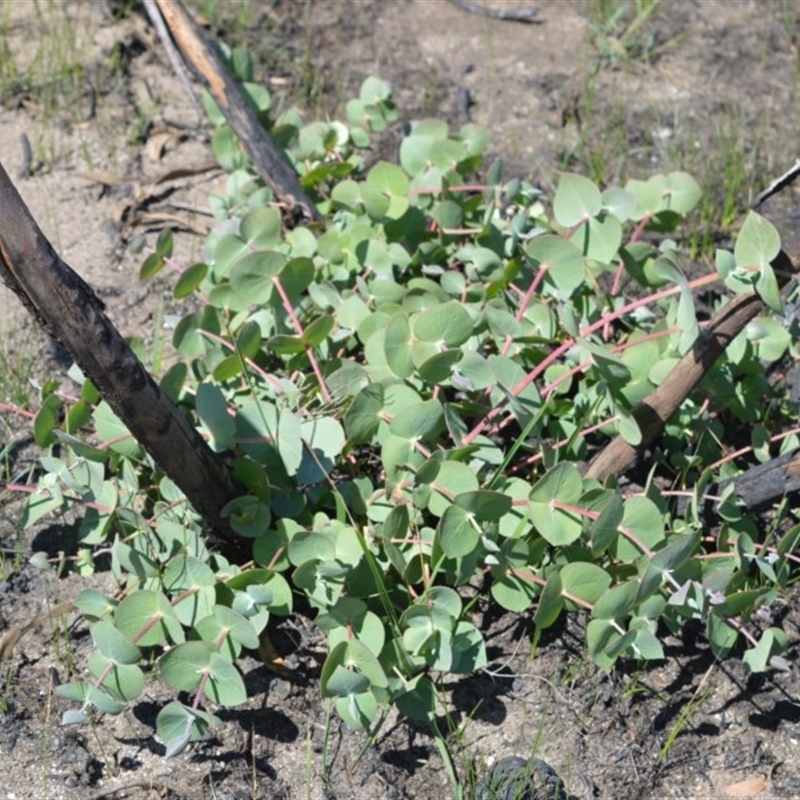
(189, 280)
(248, 339)
(253, 276)
(757, 244)
(443, 597)
(147, 618)
(324, 438)
(551, 603)
(563, 260)
(152, 265)
(295, 277)
(584, 580)
(226, 624)
(82, 692)
(183, 666)
(286, 345)
(562, 484)
(363, 417)
(438, 368)
(366, 626)
(420, 700)
(420, 422)
(351, 668)
(358, 710)
(93, 604)
(722, 635)
(616, 602)
(249, 516)
(230, 248)
(212, 409)
(177, 725)
(677, 192)
(110, 428)
(124, 682)
(469, 649)
(605, 528)
(513, 593)
(576, 199)
(290, 443)
(619, 203)
(448, 323)
(390, 180)
(676, 553)
(187, 572)
(269, 549)
(452, 479)
(318, 331)
(486, 506)
(601, 634)
(600, 238)
(224, 686)
(262, 228)
(643, 522)
(311, 546)
(397, 346)
(114, 645)
(681, 192)
(457, 533)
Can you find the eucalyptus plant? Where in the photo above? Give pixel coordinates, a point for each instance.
(407, 394)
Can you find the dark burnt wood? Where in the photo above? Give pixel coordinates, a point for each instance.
(70, 311)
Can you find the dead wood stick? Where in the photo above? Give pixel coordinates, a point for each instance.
(755, 488)
(70, 311)
(268, 160)
(172, 53)
(509, 14)
(765, 483)
(788, 177)
(655, 410)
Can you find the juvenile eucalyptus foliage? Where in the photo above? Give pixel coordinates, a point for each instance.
(407, 393)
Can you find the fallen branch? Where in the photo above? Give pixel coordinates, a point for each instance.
(765, 483)
(71, 312)
(275, 171)
(655, 410)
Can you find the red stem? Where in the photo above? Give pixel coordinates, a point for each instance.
(299, 328)
(566, 345)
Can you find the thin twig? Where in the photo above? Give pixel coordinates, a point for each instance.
(526, 15)
(777, 185)
(172, 53)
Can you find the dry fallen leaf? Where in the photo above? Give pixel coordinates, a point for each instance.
(741, 790)
(270, 658)
(158, 144)
(187, 172)
(156, 218)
